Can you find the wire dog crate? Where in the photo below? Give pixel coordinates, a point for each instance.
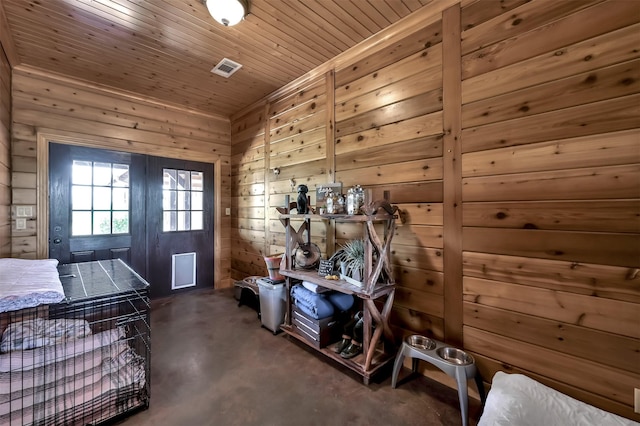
(82, 361)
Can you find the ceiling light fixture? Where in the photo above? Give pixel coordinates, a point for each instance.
(228, 12)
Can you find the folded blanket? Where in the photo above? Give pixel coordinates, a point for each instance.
(26, 283)
(93, 411)
(40, 332)
(342, 302)
(27, 360)
(124, 373)
(313, 304)
(33, 396)
(19, 383)
(50, 408)
(314, 287)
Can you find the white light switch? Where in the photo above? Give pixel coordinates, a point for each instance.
(227, 211)
(21, 223)
(24, 211)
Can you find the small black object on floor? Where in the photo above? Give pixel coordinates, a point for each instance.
(246, 292)
(249, 298)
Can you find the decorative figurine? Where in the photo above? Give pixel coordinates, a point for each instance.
(302, 206)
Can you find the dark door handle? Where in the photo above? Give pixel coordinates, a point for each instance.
(57, 241)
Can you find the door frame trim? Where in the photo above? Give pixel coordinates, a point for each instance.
(92, 141)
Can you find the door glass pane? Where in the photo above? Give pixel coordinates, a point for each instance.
(169, 200)
(196, 181)
(169, 221)
(120, 223)
(186, 203)
(102, 173)
(184, 179)
(169, 179)
(184, 200)
(121, 175)
(81, 172)
(101, 198)
(196, 220)
(80, 197)
(121, 198)
(184, 221)
(196, 201)
(101, 222)
(100, 188)
(80, 223)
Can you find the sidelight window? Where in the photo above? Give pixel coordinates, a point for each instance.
(182, 200)
(99, 198)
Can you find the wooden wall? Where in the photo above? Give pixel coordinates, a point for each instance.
(293, 127)
(508, 133)
(389, 136)
(297, 140)
(550, 190)
(248, 173)
(72, 112)
(5, 156)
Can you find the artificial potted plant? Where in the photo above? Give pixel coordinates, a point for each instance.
(350, 257)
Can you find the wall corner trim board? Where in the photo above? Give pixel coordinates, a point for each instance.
(451, 157)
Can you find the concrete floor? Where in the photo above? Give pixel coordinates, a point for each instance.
(213, 364)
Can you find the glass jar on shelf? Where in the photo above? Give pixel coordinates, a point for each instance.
(342, 208)
(330, 202)
(335, 203)
(355, 199)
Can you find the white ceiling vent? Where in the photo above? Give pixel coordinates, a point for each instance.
(226, 67)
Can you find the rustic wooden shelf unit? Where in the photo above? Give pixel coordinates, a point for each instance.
(378, 284)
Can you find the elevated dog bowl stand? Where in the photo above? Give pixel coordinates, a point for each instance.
(462, 372)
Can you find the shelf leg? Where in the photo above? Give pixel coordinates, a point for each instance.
(367, 346)
(382, 318)
(372, 347)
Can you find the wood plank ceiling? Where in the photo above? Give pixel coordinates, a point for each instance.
(165, 49)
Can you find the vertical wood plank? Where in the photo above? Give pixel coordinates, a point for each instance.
(5, 151)
(452, 172)
(330, 126)
(267, 177)
(42, 221)
(330, 80)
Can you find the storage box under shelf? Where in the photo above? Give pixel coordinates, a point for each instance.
(318, 332)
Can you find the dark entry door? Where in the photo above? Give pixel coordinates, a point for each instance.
(96, 206)
(180, 225)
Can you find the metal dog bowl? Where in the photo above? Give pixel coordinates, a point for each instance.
(420, 342)
(454, 356)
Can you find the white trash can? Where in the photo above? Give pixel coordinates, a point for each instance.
(272, 303)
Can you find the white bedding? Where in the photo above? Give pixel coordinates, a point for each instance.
(517, 400)
(34, 358)
(38, 332)
(28, 283)
(68, 383)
